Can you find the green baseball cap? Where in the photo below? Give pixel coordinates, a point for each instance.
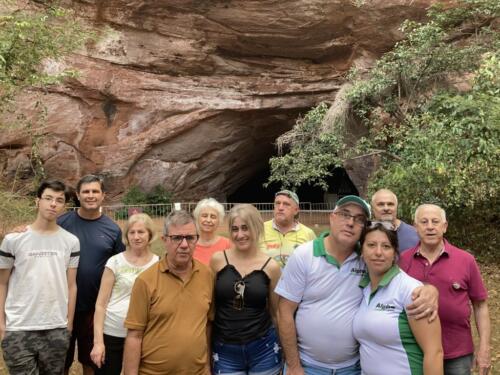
(290, 194)
(356, 200)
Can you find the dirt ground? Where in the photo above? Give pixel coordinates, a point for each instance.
(491, 276)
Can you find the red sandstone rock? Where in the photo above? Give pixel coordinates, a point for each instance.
(192, 94)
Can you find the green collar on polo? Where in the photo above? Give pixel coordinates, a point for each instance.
(386, 279)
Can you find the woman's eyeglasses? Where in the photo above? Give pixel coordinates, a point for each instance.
(239, 289)
(377, 224)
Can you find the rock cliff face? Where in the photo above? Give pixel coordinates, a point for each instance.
(192, 94)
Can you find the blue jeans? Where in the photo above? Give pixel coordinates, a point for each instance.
(258, 357)
(458, 366)
(309, 369)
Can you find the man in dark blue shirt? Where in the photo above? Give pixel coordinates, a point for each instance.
(385, 208)
(100, 238)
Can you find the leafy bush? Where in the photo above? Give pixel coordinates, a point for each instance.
(136, 196)
(437, 143)
(27, 38)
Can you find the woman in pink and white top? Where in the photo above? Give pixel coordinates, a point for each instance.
(114, 294)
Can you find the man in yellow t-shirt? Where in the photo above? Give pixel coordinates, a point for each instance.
(284, 233)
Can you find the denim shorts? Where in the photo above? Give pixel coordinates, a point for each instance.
(258, 357)
(458, 366)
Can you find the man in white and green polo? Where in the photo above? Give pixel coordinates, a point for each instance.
(320, 285)
(319, 296)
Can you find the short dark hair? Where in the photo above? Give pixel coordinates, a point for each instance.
(55, 185)
(89, 179)
(391, 234)
(177, 218)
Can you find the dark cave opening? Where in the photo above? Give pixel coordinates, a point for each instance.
(253, 191)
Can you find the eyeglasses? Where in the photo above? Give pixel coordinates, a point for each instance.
(377, 224)
(50, 199)
(191, 239)
(346, 216)
(239, 289)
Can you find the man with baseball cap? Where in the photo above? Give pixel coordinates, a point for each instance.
(319, 296)
(284, 233)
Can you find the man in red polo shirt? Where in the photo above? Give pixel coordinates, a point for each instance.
(456, 275)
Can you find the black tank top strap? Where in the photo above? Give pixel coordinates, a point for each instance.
(225, 256)
(265, 264)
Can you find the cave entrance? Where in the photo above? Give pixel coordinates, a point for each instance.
(339, 185)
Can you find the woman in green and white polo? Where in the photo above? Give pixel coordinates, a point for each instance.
(390, 343)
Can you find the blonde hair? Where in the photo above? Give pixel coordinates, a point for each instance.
(140, 218)
(252, 218)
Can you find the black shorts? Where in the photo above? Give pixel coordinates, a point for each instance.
(83, 336)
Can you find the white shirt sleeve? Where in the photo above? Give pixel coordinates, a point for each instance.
(112, 263)
(74, 256)
(407, 288)
(293, 279)
(7, 253)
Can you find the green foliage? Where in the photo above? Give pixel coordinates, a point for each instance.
(476, 230)
(159, 195)
(312, 152)
(136, 196)
(30, 39)
(450, 154)
(27, 39)
(450, 43)
(437, 143)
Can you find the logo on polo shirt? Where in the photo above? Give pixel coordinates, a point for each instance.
(384, 307)
(273, 245)
(358, 271)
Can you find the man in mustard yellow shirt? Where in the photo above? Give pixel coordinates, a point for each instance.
(171, 309)
(284, 233)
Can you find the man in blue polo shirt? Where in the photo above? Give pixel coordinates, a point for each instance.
(385, 208)
(319, 296)
(100, 238)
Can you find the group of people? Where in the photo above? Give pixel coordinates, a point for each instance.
(361, 298)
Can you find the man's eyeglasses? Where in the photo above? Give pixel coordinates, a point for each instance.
(239, 289)
(50, 199)
(377, 224)
(191, 239)
(346, 216)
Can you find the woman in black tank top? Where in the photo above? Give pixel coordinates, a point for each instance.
(244, 337)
